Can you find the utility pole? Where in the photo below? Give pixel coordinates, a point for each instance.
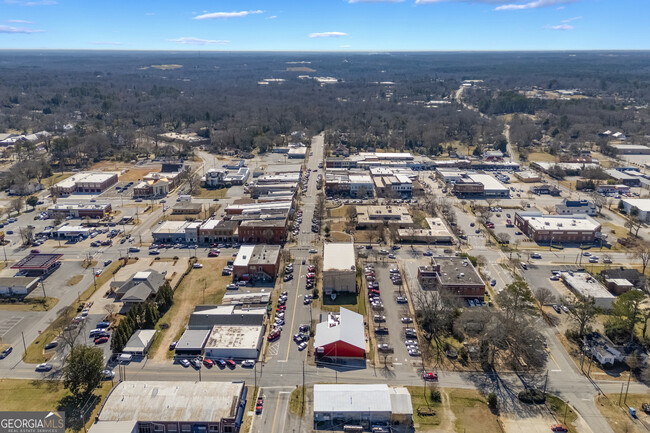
(545, 382)
(255, 373)
(629, 376)
(24, 345)
(43, 287)
(566, 409)
(620, 396)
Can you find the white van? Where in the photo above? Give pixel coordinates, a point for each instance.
(125, 358)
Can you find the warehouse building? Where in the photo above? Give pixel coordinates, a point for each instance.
(207, 316)
(234, 342)
(17, 286)
(166, 406)
(339, 269)
(191, 342)
(576, 207)
(366, 406)
(577, 229)
(342, 335)
(583, 284)
(641, 204)
(631, 149)
(85, 182)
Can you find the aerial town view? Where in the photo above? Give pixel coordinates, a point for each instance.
(323, 232)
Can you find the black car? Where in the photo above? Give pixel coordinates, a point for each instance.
(51, 345)
(381, 331)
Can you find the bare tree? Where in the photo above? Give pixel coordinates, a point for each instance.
(27, 234)
(583, 311)
(545, 296)
(642, 253)
(503, 238)
(17, 204)
(435, 312)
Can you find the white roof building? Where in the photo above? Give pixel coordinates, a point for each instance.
(341, 335)
(642, 204)
(339, 269)
(585, 285)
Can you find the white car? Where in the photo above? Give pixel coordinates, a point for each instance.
(312, 251)
(248, 363)
(44, 367)
(197, 265)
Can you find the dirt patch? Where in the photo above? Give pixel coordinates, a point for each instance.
(74, 280)
(340, 237)
(200, 286)
(538, 424)
(471, 412)
(618, 416)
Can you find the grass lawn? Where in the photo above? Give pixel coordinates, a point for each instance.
(42, 395)
(471, 411)
(295, 402)
(619, 232)
(427, 406)
(201, 286)
(103, 278)
(210, 193)
(558, 407)
(340, 237)
(74, 280)
(618, 417)
(56, 178)
(419, 218)
(30, 304)
(346, 300)
(541, 157)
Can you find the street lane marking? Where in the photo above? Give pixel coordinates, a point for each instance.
(554, 361)
(275, 415)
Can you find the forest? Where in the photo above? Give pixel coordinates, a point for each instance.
(117, 102)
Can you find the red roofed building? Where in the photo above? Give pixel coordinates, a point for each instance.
(341, 336)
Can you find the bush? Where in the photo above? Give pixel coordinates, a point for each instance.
(315, 293)
(532, 395)
(435, 396)
(462, 352)
(492, 401)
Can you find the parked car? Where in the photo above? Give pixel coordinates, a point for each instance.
(6, 352)
(557, 309)
(429, 376)
(208, 363)
(230, 363)
(259, 405)
(407, 320)
(184, 362)
(172, 345)
(52, 345)
(197, 265)
(196, 362)
(401, 299)
(108, 374)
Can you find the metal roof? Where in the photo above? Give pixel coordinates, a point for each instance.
(37, 261)
(193, 339)
(351, 398)
(348, 329)
(140, 340)
(338, 257)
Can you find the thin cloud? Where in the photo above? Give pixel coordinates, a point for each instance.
(197, 41)
(223, 15)
(532, 5)
(149, 13)
(20, 22)
(106, 43)
(327, 35)
(571, 19)
(31, 3)
(346, 46)
(559, 27)
(504, 5)
(11, 29)
(272, 17)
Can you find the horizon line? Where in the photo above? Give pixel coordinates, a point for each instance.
(595, 50)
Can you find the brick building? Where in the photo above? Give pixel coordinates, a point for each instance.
(453, 275)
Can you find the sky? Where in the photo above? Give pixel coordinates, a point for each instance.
(325, 25)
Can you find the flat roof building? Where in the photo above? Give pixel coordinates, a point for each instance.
(576, 207)
(631, 149)
(79, 210)
(234, 342)
(453, 275)
(257, 262)
(577, 229)
(17, 286)
(364, 405)
(641, 204)
(85, 182)
(436, 233)
(191, 342)
(585, 285)
(172, 406)
(375, 216)
(339, 268)
(207, 316)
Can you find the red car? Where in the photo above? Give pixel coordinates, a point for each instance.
(274, 335)
(311, 268)
(429, 376)
(36, 251)
(230, 363)
(101, 340)
(208, 363)
(213, 254)
(559, 427)
(259, 405)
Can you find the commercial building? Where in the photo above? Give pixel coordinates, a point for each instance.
(85, 182)
(140, 342)
(630, 149)
(583, 284)
(576, 207)
(234, 342)
(214, 178)
(452, 275)
(207, 316)
(237, 178)
(72, 233)
(17, 286)
(173, 406)
(297, 153)
(546, 190)
(192, 342)
(472, 184)
(140, 287)
(341, 335)
(642, 206)
(79, 210)
(366, 406)
(257, 190)
(619, 280)
(437, 233)
(613, 189)
(188, 208)
(263, 231)
(528, 176)
(171, 232)
(579, 229)
(151, 188)
(347, 183)
(339, 268)
(398, 185)
(256, 209)
(624, 177)
(213, 230)
(257, 262)
(377, 216)
(491, 186)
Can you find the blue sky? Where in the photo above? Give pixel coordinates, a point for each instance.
(325, 25)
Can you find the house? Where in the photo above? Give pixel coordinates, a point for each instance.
(493, 155)
(365, 405)
(257, 262)
(140, 342)
(214, 178)
(341, 335)
(139, 288)
(172, 406)
(620, 280)
(339, 268)
(576, 207)
(28, 188)
(452, 275)
(602, 349)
